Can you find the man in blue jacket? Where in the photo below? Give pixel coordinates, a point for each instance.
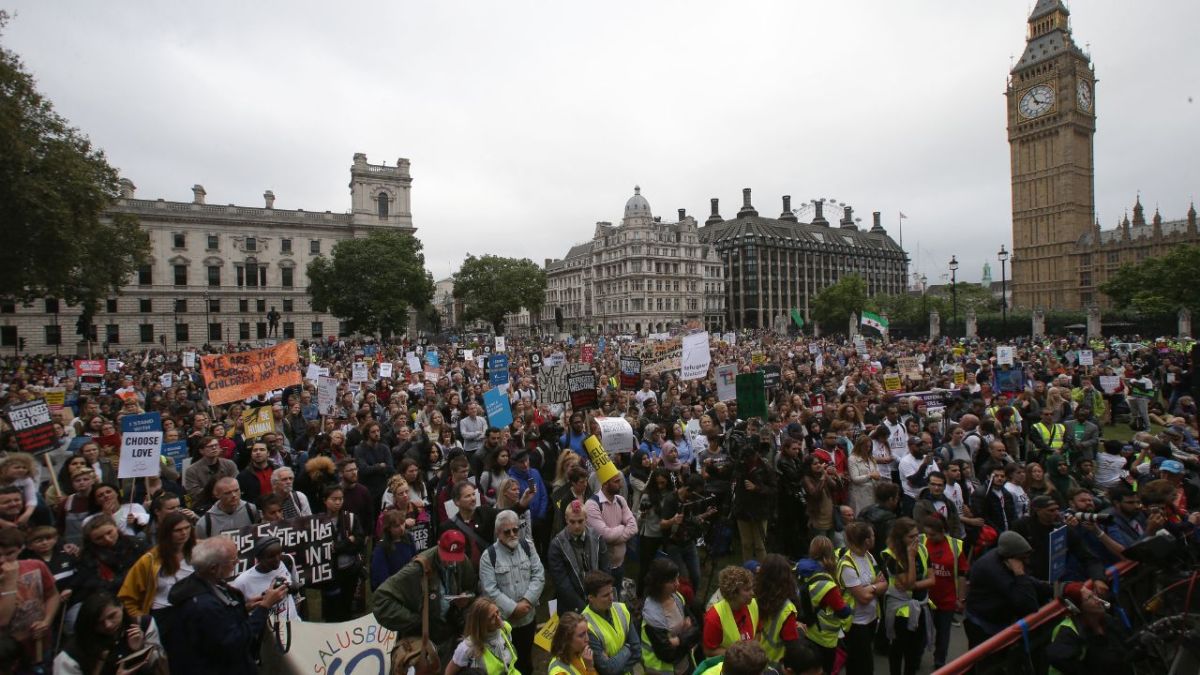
(539, 509)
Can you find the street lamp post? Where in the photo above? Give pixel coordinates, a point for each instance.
(954, 287)
(1003, 254)
(924, 304)
(207, 325)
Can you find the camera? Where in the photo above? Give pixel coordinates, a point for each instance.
(1097, 518)
(279, 581)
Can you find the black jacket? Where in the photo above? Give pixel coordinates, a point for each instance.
(221, 637)
(567, 577)
(754, 505)
(1078, 553)
(997, 598)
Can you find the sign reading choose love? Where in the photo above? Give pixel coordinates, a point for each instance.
(141, 445)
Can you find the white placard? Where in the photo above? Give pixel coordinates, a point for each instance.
(326, 394)
(727, 382)
(1109, 383)
(141, 452)
(615, 434)
(385, 369)
(1085, 357)
(167, 380)
(468, 354)
(1004, 356)
(189, 359)
(313, 372)
(555, 359)
(414, 364)
(359, 372)
(499, 343)
(114, 365)
(696, 356)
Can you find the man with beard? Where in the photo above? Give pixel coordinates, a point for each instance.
(374, 461)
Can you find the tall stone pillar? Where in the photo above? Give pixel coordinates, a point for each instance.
(853, 325)
(884, 316)
(1185, 323)
(1039, 323)
(972, 325)
(1093, 322)
(935, 325)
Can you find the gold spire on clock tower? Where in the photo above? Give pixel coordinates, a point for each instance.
(1051, 122)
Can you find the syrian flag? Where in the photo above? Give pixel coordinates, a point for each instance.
(797, 318)
(874, 321)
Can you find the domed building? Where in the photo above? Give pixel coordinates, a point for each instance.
(642, 276)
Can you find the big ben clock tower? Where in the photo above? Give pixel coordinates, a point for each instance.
(1051, 121)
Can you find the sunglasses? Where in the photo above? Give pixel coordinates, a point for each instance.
(508, 531)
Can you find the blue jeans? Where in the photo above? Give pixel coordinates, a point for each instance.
(687, 558)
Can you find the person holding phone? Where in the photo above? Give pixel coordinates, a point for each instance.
(107, 641)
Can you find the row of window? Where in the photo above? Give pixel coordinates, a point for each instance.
(146, 305)
(249, 244)
(250, 275)
(146, 332)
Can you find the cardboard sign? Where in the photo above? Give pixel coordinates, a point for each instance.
(141, 445)
(1109, 383)
(167, 380)
(960, 375)
(545, 635)
(177, 451)
(32, 424)
(631, 372)
(497, 365)
(909, 367)
(751, 395)
(358, 372)
(556, 359)
(385, 369)
(587, 353)
(86, 367)
(727, 382)
(499, 410)
(308, 539)
(326, 394)
(891, 383)
(114, 365)
(258, 421)
(1004, 356)
(413, 363)
(312, 372)
(758, 358)
(582, 388)
(731, 338)
(616, 434)
(696, 357)
(552, 382)
(314, 649)
(241, 375)
(662, 356)
(772, 376)
(500, 345)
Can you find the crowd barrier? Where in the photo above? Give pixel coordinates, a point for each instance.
(1020, 648)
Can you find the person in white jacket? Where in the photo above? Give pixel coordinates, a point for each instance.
(512, 576)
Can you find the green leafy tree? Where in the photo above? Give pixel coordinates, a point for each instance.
(55, 189)
(833, 305)
(1157, 285)
(491, 286)
(372, 282)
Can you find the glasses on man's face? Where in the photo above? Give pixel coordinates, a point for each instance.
(507, 531)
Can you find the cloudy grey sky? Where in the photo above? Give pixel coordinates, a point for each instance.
(527, 122)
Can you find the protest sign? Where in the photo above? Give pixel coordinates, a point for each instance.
(552, 382)
(460, 354)
(587, 353)
(772, 376)
(141, 445)
(56, 397)
(500, 346)
(167, 380)
(605, 469)
(758, 358)
(312, 373)
(601, 344)
(696, 356)
(582, 388)
(432, 374)
(751, 395)
(499, 411)
(662, 356)
(891, 383)
(935, 401)
(616, 434)
(241, 375)
(86, 367)
(909, 367)
(1008, 380)
(960, 376)
(535, 361)
(326, 394)
(631, 372)
(498, 369)
(362, 646)
(114, 365)
(432, 359)
(479, 362)
(177, 451)
(727, 382)
(819, 363)
(189, 359)
(1085, 357)
(1058, 553)
(486, 349)
(814, 348)
(413, 363)
(358, 372)
(385, 369)
(731, 338)
(308, 540)
(258, 421)
(556, 359)
(422, 536)
(1004, 356)
(32, 424)
(1109, 383)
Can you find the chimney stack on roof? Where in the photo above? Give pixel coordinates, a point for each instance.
(787, 210)
(877, 226)
(819, 219)
(127, 188)
(682, 214)
(198, 194)
(847, 222)
(269, 198)
(747, 209)
(715, 217)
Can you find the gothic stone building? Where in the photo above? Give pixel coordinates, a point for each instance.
(774, 265)
(216, 271)
(642, 276)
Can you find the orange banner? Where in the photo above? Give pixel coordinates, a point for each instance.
(241, 375)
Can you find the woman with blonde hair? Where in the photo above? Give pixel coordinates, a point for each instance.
(864, 475)
(565, 461)
(569, 650)
(487, 644)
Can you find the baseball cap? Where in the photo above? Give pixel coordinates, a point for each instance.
(1042, 502)
(1172, 466)
(452, 547)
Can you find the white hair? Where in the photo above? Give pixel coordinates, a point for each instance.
(275, 475)
(211, 551)
(507, 516)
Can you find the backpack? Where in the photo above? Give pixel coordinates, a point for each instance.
(491, 551)
(250, 509)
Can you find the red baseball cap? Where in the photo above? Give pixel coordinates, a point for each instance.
(452, 547)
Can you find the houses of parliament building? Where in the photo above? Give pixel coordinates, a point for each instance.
(1061, 255)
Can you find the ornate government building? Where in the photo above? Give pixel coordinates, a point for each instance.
(642, 276)
(216, 271)
(1060, 255)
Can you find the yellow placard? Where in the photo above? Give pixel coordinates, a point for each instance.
(959, 376)
(258, 421)
(605, 470)
(545, 634)
(891, 382)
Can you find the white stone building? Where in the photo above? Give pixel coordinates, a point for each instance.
(642, 276)
(216, 271)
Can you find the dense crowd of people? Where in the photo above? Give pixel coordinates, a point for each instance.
(891, 493)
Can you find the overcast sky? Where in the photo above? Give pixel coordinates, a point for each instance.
(527, 122)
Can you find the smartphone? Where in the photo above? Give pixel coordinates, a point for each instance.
(134, 660)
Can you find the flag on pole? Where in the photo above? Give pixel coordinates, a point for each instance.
(797, 318)
(874, 321)
(902, 216)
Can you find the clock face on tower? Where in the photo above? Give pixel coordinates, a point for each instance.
(1083, 93)
(1037, 101)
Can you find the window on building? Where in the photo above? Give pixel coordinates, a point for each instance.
(214, 332)
(145, 305)
(285, 245)
(178, 240)
(8, 336)
(1085, 278)
(181, 275)
(260, 329)
(112, 334)
(181, 332)
(243, 331)
(318, 329)
(289, 330)
(314, 247)
(285, 277)
(243, 305)
(214, 276)
(8, 307)
(1114, 256)
(262, 276)
(110, 305)
(214, 305)
(383, 205)
(213, 242)
(251, 273)
(53, 334)
(260, 305)
(251, 243)
(146, 333)
(287, 304)
(52, 305)
(343, 329)
(144, 276)
(180, 305)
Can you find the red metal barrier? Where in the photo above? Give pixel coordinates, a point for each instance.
(1051, 611)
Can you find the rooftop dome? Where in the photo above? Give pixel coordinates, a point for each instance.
(637, 206)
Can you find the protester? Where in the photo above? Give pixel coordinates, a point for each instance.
(105, 636)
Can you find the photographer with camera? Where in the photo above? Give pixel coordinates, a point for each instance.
(1082, 504)
(686, 515)
(754, 489)
(1130, 523)
(1046, 517)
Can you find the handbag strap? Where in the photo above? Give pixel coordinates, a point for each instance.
(425, 607)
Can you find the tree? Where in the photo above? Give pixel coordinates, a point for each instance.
(1157, 285)
(491, 286)
(372, 282)
(832, 306)
(55, 189)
